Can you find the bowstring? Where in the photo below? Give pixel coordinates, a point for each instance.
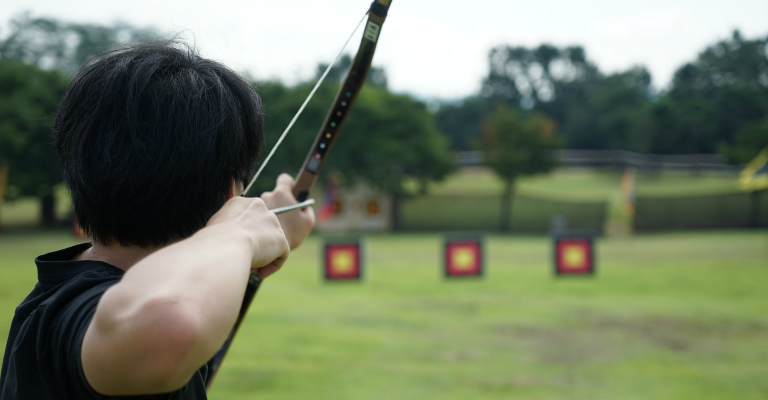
(301, 109)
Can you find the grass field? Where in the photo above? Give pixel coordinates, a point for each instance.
(588, 184)
(585, 198)
(675, 316)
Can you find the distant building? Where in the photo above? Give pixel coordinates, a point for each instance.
(356, 209)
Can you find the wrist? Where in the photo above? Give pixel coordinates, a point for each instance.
(230, 238)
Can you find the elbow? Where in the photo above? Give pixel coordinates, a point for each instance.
(149, 348)
(173, 343)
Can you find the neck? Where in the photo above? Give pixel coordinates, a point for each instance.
(123, 257)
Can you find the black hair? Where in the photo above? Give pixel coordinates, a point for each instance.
(151, 138)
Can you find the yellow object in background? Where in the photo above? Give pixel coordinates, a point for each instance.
(629, 191)
(755, 175)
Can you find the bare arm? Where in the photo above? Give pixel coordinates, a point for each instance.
(172, 310)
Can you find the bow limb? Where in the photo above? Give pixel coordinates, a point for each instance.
(342, 104)
(320, 148)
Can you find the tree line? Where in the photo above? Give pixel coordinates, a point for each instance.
(717, 103)
(532, 100)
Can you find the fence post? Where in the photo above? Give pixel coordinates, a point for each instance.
(755, 203)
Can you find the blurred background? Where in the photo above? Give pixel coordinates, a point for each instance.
(642, 125)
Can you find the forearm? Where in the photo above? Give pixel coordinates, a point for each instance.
(171, 311)
(205, 275)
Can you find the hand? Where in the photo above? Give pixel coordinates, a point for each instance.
(251, 216)
(297, 223)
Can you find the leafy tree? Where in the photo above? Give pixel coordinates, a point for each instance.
(681, 127)
(53, 44)
(517, 143)
(594, 111)
(714, 98)
(461, 121)
(523, 77)
(611, 113)
(399, 141)
(28, 99)
(29, 95)
(735, 62)
(387, 141)
(749, 141)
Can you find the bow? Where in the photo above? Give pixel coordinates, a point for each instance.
(320, 148)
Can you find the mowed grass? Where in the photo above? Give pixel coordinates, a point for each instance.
(25, 211)
(674, 316)
(588, 184)
(477, 193)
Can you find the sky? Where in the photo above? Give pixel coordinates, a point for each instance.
(430, 49)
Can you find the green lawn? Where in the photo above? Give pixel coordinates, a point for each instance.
(476, 192)
(674, 316)
(25, 211)
(588, 184)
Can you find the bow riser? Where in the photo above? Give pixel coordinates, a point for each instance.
(346, 96)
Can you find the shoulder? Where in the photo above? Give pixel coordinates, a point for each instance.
(45, 335)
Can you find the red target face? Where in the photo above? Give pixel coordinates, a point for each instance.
(574, 256)
(342, 261)
(463, 258)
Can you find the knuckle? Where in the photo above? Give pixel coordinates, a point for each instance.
(258, 202)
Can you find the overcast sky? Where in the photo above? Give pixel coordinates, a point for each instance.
(428, 48)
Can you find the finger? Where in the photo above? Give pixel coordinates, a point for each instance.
(308, 213)
(284, 181)
(266, 271)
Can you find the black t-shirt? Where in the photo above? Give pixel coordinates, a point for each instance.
(42, 357)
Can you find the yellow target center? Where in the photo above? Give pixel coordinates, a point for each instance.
(463, 259)
(574, 257)
(343, 262)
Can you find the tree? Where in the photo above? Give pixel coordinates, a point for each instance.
(681, 127)
(387, 141)
(734, 62)
(28, 99)
(712, 99)
(523, 77)
(53, 44)
(611, 113)
(517, 143)
(460, 121)
(393, 139)
(35, 58)
(593, 111)
(749, 141)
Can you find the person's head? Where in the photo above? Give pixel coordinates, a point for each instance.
(152, 138)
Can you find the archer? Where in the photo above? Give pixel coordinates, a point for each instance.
(156, 144)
